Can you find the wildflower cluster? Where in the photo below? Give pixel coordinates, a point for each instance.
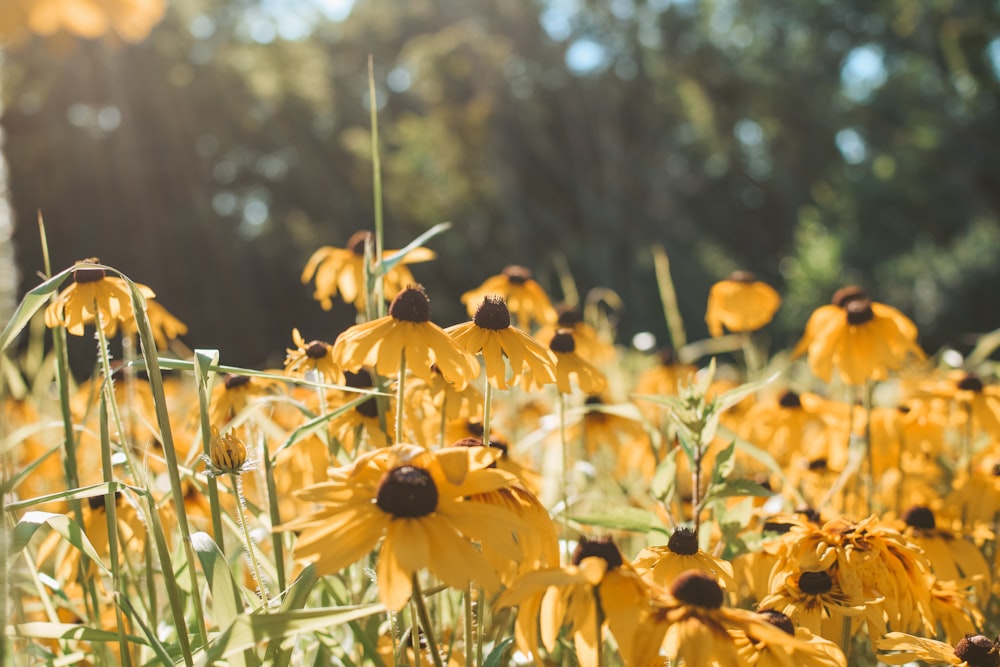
(406, 492)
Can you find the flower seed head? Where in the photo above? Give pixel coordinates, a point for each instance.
(232, 380)
(407, 492)
(356, 242)
(89, 275)
(698, 589)
(790, 400)
(742, 277)
(517, 275)
(569, 316)
(845, 295)
(978, 651)
(684, 541)
(492, 314)
(563, 342)
(601, 547)
(317, 349)
(411, 305)
(360, 380)
(859, 311)
(778, 620)
(971, 382)
(815, 583)
(920, 516)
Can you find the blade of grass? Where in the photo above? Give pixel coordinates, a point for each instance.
(203, 359)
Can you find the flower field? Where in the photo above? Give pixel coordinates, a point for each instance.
(518, 488)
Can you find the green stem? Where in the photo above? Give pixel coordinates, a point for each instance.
(376, 187)
(487, 409)
(248, 541)
(566, 471)
(869, 454)
(470, 654)
(751, 357)
(274, 513)
(425, 622)
(400, 384)
(203, 359)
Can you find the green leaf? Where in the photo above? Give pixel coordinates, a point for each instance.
(734, 396)
(387, 265)
(62, 524)
(499, 653)
(664, 483)
(737, 487)
(75, 631)
(250, 629)
(632, 519)
(226, 601)
(31, 304)
(102, 489)
(724, 465)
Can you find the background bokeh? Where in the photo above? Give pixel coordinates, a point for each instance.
(812, 142)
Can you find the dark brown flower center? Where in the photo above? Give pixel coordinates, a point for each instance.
(100, 502)
(563, 342)
(317, 349)
(368, 408)
(232, 380)
(920, 516)
(790, 400)
(859, 311)
(809, 514)
(698, 589)
(569, 316)
(971, 382)
(815, 583)
(593, 399)
(411, 305)
(356, 242)
(742, 277)
(478, 442)
(475, 428)
(845, 295)
(667, 356)
(818, 464)
(778, 620)
(684, 541)
(360, 380)
(978, 651)
(517, 275)
(89, 275)
(601, 547)
(407, 492)
(492, 314)
(779, 527)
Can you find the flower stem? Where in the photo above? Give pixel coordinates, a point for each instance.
(564, 482)
(400, 384)
(470, 654)
(487, 405)
(425, 622)
(251, 552)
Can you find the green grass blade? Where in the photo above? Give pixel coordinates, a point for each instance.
(70, 531)
(100, 489)
(388, 264)
(31, 304)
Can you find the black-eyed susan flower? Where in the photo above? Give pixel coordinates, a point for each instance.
(234, 393)
(664, 378)
(691, 623)
(525, 298)
(808, 650)
(819, 601)
(664, 564)
(490, 333)
(418, 504)
(362, 423)
(406, 329)
(820, 318)
(598, 590)
(955, 608)
(570, 366)
(976, 400)
(589, 343)
(342, 271)
(315, 356)
(897, 648)
(92, 293)
(227, 455)
(864, 340)
(435, 404)
(741, 304)
(951, 556)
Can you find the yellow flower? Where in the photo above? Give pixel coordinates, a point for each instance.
(954, 607)
(664, 564)
(864, 340)
(491, 334)
(234, 394)
(342, 271)
(973, 650)
(807, 649)
(976, 401)
(597, 582)
(361, 423)
(227, 455)
(93, 292)
(951, 556)
(740, 303)
(570, 365)
(691, 624)
(525, 298)
(831, 312)
(589, 343)
(418, 504)
(407, 328)
(315, 356)
(430, 403)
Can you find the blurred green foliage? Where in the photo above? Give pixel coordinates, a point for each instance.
(813, 142)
